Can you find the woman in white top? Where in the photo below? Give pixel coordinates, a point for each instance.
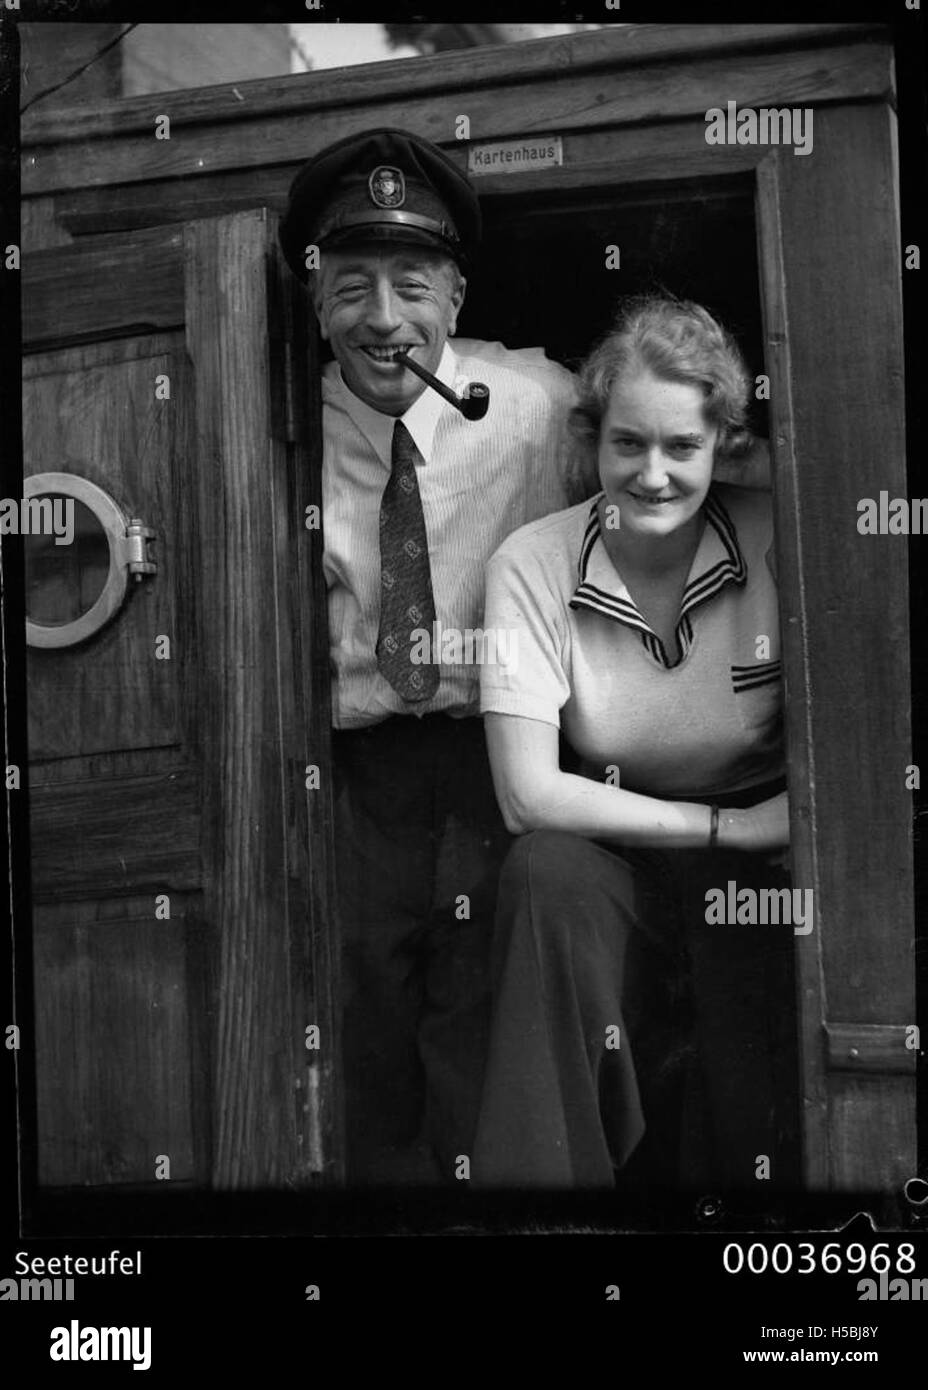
(640, 632)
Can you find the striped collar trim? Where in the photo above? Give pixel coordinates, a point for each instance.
(718, 561)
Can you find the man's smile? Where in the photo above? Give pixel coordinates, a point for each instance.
(377, 352)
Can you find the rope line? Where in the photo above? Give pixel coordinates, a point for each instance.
(47, 91)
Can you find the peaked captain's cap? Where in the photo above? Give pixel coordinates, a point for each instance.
(382, 185)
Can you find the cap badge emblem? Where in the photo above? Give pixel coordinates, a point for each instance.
(388, 187)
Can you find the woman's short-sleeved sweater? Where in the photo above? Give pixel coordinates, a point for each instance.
(582, 657)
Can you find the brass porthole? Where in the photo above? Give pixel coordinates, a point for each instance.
(76, 583)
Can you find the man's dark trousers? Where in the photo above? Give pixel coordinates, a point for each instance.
(419, 844)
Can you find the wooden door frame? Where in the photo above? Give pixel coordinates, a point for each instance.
(833, 342)
(269, 874)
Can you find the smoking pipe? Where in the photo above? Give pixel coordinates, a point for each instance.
(473, 405)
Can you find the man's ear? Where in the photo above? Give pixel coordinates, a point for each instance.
(314, 285)
(322, 317)
(457, 299)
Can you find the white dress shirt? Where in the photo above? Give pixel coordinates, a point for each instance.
(479, 481)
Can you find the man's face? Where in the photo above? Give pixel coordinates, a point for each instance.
(372, 302)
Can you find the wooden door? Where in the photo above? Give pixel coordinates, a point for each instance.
(169, 752)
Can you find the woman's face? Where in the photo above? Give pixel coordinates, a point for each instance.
(656, 451)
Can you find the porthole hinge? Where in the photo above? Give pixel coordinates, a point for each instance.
(135, 549)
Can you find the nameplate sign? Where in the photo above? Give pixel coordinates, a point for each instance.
(515, 156)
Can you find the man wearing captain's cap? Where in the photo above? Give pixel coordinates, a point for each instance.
(416, 498)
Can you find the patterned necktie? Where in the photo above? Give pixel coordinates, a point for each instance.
(406, 600)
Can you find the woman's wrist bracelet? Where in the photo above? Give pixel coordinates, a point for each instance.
(714, 827)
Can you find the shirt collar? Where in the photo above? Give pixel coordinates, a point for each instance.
(717, 562)
(420, 419)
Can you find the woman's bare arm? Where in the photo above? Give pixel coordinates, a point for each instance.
(534, 794)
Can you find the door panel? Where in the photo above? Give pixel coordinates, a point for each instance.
(115, 833)
(93, 412)
(182, 872)
(117, 1044)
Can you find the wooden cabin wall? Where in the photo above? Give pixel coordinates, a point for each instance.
(630, 108)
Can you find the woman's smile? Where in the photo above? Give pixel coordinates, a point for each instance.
(644, 500)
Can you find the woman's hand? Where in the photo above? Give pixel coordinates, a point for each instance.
(757, 828)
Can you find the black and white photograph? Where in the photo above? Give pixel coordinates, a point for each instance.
(465, 704)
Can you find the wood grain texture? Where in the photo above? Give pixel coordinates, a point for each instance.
(555, 100)
(871, 1121)
(111, 208)
(627, 47)
(93, 412)
(135, 762)
(114, 1044)
(40, 227)
(315, 936)
(794, 600)
(253, 726)
(830, 251)
(612, 155)
(115, 834)
(116, 284)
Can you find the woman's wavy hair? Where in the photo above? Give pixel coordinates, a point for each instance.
(677, 340)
